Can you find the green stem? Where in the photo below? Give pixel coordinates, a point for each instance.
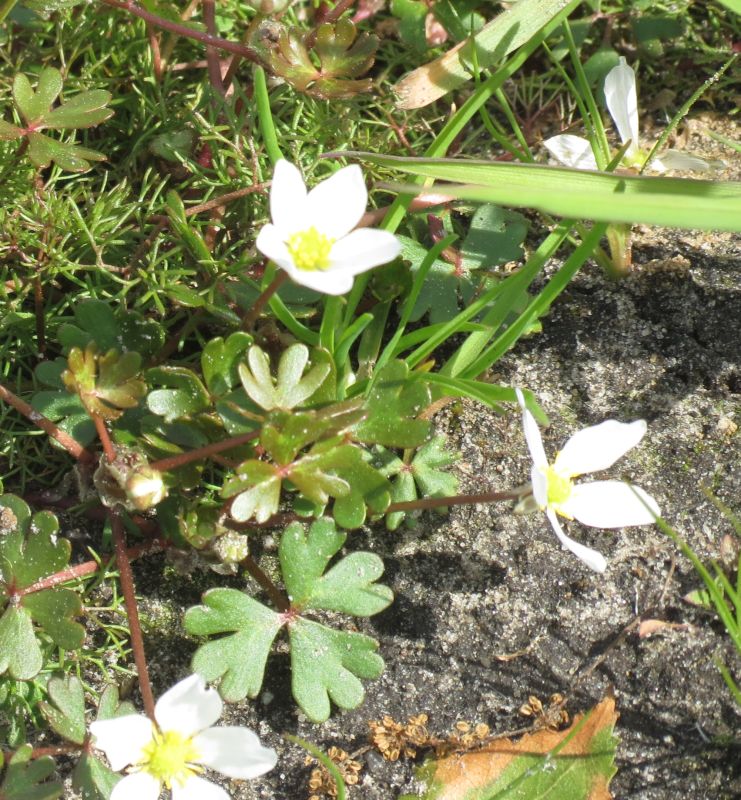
(6, 8)
(265, 116)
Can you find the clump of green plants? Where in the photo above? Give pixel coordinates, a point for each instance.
(215, 337)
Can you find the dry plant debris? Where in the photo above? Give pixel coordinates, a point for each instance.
(321, 783)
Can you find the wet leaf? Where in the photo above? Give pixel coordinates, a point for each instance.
(393, 405)
(349, 586)
(574, 764)
(66, 711)
(239, 658)
(185, 396)
(220, 359)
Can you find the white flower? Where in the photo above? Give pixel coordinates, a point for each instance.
(622, 103)
(312, 237)
(174, 752)
(601, 504)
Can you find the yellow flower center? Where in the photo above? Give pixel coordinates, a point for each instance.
(169, 758)
(310, 249)
(559, 487)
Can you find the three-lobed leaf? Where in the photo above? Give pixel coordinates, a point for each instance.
(25, 778)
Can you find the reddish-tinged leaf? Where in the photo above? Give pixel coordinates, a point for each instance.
(574, 764)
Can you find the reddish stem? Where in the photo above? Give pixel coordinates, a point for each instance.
(75, 449)
(455, 500)
(105, 438)
(212, 57)
(132, 612)
(279, 600)
(88, 568)
(252, 315)
(184, 30)
(196, 455)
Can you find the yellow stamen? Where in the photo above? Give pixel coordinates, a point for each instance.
(559, 487)
(170, 758)
(310, 249)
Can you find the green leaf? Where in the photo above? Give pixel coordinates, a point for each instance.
(42, 151)
(239, 659)
(24, 777)
(292, 388)
(411, 15)
(66, 712)
(220, 359)
(186, 397)
(8, 131)
(110, 706)
(92, 779)
(53, 610)
(393, 406)
(348, 587)
(602, 196)
(327, 665)
(83, 111)
(123, 329)
(33, 105)
(30, 550)
(426, 471)
(257, 489)
(20, 654)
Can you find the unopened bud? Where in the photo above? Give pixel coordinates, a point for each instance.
(145, 488)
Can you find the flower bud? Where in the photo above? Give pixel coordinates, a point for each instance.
(145, 488)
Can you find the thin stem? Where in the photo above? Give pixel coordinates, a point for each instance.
(88, 568)
(104, 437)
(75, 449)
(173, 462)
(279, 600)
(455, 500)
(132, 612)
(6, 8)
(251, 317)
(184, 30)
(212, 57)
(38, 301)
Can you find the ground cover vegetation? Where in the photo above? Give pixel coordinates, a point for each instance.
(248, 252)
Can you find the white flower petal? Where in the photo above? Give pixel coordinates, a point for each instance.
(137, 786)
(188, 707)
(611, 504)
(196, 788)
(591, 558)
(598, 447)
(270, 243)
(235, 752)
(122, 739)
(336, 205)
(622, 102)
(571, 151)
(363, 249)
(327, 281)
(676, 159)
(288, 199)
(539, 485)
(532, 434)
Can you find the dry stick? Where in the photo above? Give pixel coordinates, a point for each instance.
(251, 316)
(89, 567)
(196, 455)
(214, 67)
(184, 30)
(132, 612)
(75, 449)
(455, 500)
